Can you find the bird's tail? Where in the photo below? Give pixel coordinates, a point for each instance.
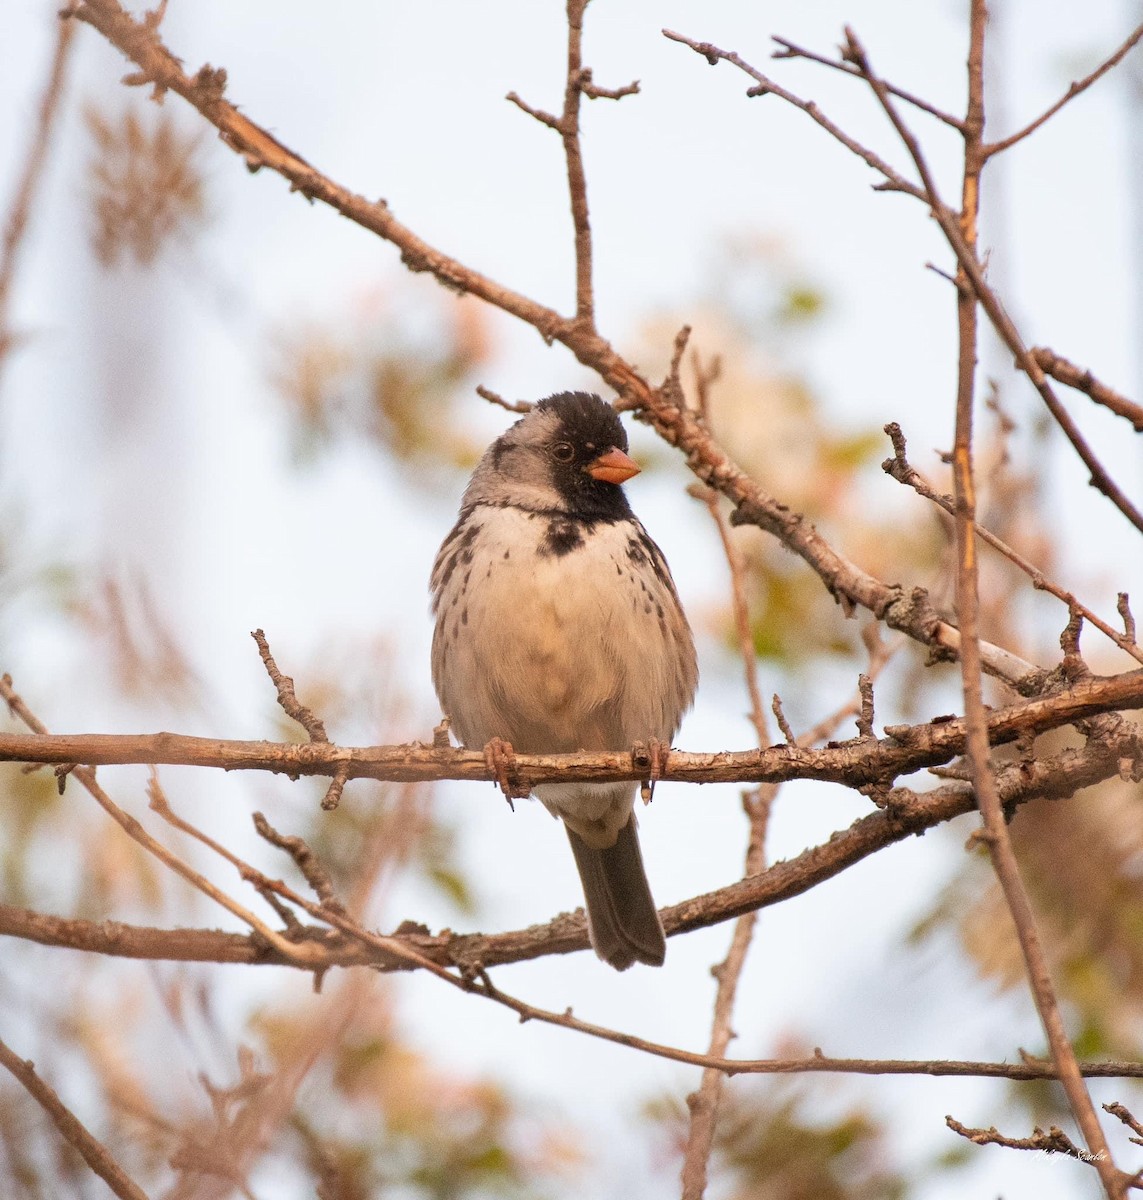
(621, 917)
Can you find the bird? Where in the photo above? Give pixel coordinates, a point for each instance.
(559, 628)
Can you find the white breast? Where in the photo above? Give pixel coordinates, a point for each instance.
(558, 636)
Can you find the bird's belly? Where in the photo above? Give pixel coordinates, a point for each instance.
(544, 641)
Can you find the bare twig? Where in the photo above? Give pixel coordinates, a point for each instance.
(865, 716)
(1054, 1141)
(792, 50)
(594, 92)
(880, 652)
(783, 723)
(513, 406)
(904, 472)
(291, 705)
(1074, 89)
(307, 861)
(1123, 607)
(1068, 373)
(93, 1151)
(951, 226)
(767, 86)
(1118, 1110)
(579, 83)
(135, 831)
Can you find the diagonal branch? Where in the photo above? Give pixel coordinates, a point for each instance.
(908, 612)
(1074, 89)
(93, 1151)
(904, 472)
(768, 87)
(949, 222)
(793, 50)
(1068, 373)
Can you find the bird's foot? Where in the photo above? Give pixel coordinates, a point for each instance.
(650, 756)
(501, 761)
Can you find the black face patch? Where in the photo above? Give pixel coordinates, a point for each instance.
(562, 537)
(585, 428)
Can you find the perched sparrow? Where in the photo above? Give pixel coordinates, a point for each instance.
(558, 629)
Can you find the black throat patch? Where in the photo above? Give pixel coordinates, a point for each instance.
(563, 535)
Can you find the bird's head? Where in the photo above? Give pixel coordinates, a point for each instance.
(569, 454)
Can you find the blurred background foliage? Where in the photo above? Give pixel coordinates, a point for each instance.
(327, 1085)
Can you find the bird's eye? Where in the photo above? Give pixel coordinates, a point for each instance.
(563, 452)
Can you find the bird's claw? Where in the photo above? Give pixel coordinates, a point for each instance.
(501, 761)
(650, 756)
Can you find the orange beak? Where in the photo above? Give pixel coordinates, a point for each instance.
(613, 467)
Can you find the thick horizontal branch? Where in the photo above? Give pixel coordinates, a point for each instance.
(1115, 750)
(855, 763)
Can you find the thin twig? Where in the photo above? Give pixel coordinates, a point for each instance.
(793, 50)
(904, 472)
(950, 224)
(513, 406)
(1074, 89)
(1118, 1110)
(1084, 381)
(1123, 607)
(783, 723)
(93, 1151)
(767, 86)
(594, 92)
(578, 84)
(1054, 1141)
(287, 698)
(311, 867)
(865, 714)
(135, 831)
